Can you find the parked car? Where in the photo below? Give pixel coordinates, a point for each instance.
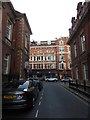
(52, 79)
(19, 95)
(66, 79)
(46, 79)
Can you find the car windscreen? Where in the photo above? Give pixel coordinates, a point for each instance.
(19, 84)
(24, 85)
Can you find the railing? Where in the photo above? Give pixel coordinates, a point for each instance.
(82, 87)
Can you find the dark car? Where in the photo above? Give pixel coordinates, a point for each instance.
(19, 95)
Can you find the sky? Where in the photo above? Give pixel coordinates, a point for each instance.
(48, 19)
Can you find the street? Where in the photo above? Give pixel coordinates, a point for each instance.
(54, 101)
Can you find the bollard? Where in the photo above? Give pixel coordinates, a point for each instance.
(76, 84)
(84, 85)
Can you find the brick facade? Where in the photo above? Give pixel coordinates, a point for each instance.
(45, 58)
(8, 14)
(79, 41)
(15, 42)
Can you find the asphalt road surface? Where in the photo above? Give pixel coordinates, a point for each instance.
(54, 101)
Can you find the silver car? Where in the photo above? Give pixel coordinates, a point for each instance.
(52, 79)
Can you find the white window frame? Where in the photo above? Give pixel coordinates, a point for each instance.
(7, 65)
(26, 41)
(9, 29)
(9, 32)
(75, 49)
(61, 49)
(83, 40)
(61, 57)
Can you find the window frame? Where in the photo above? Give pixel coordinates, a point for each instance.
(83, 42)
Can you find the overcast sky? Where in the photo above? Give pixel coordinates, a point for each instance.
(49, 19)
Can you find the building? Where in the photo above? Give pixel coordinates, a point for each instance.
(15, 43)
(49, 59)
(22, 43)
(63, 56)
(8, 24)
(79, 41)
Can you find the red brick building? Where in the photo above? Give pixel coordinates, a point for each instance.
(22, 42)
(48, 59)
(80, 43)
(8, 24)
(63, 56)
(15, 42)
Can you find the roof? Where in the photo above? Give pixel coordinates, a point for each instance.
(25, 17)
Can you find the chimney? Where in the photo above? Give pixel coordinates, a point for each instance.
(79, 7)
(73, 21)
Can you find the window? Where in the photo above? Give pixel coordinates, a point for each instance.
(53, 66)
(47, 50)
(41, 66)
(31, 58)
(38, 66)
(61, 58)
(35, 66)
(83, 42)
(45, 58)
(34, 58)
(61, 66)
(7, 64)
(26, 64)
(41, 57)
(75, 49)
(62, 49)
(45, 65)
(85, 72)
(77, 73)
(38, 58)
(52, 58)
(52, 49)
(26, 41)
(61, 43)
(8, 32)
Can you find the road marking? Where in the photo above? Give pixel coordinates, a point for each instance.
(37, 113)
(39, 103)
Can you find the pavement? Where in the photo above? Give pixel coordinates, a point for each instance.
(82, 96)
